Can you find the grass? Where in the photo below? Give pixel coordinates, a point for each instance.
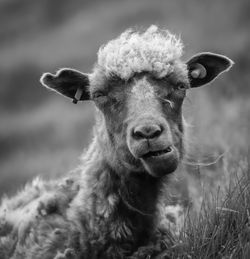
(221, 229)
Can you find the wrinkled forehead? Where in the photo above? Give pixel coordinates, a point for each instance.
(144, 84)
(154, 50)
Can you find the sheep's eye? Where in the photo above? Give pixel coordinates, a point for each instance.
(98, 95)
(181, 86)
(114, 77)
(166, 96)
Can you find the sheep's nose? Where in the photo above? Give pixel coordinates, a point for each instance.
(147, 131)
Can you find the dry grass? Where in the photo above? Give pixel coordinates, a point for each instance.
(222, 227)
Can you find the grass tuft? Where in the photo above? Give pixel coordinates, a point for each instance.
(221, 229)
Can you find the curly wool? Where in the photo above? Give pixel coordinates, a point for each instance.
(154, 50)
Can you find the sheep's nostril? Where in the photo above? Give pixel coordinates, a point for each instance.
(138, 134)
(147, 132)
(155, 134)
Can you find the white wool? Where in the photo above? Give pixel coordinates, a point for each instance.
(132, 52)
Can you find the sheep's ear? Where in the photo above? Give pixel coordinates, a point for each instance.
(68, 82)
(204, 67)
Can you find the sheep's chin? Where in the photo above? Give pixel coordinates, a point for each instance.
(159, 166)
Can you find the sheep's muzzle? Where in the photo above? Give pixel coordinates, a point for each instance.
(150, 141)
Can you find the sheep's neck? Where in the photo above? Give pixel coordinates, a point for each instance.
(123, 197)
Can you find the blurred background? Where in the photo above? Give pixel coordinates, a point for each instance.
(43, 134)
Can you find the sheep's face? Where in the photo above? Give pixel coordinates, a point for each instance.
(143, 118)
(138, 86)
(154, 127)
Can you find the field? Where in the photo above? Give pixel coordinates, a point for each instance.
(42, 134)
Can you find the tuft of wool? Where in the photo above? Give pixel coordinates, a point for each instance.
(154, 50)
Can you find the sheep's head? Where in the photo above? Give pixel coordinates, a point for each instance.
(138, 85)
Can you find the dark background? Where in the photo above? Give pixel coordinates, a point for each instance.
(43, 134)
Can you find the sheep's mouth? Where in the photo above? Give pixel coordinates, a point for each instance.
(157, 153)
(161, 162)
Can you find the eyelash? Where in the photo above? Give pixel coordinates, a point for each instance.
(165, 99)
(169, 102)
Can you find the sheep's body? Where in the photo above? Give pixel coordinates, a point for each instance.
(33, 224)
(115, 201)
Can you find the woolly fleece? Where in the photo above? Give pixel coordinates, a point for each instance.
(154, 50)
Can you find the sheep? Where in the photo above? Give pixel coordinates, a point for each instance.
(114, 202)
